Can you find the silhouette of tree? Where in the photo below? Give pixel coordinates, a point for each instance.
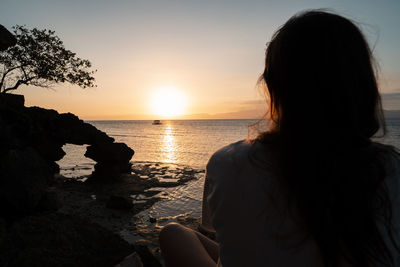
(39, 58)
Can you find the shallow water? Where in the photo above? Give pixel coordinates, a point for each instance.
(187, 143)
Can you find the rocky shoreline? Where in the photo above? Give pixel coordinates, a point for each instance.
(127, 195)
(114, 205)
(48, 219)
(104, 212)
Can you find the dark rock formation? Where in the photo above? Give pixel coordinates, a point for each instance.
(119, 203)
(31, 140)
(112, 159)
(60, 240)
(23, 181)
(146, 256)
(32, 233)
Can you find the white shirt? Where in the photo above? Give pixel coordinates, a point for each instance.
(243, 204)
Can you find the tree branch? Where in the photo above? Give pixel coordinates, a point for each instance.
(23, 70)
(18, 83)
(7, 72)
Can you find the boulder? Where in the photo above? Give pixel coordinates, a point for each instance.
(60, 240)
(49, 148)
(72, 130)
(51, 200)
(147, 256)
(46, 131)
(109, 152)
(31, 140)
(119, 202)
(132, 260)
(105, 172)
(23, 180)
(113, 159)
(12, 100)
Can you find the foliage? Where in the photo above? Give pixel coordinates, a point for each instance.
(39, 58)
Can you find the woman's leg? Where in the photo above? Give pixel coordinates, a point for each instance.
(181, 246)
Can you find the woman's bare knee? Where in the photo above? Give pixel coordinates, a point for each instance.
(181, 246)
(169, 231)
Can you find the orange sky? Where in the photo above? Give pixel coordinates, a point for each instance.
(211, 51)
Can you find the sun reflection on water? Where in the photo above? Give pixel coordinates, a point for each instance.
(168, 146)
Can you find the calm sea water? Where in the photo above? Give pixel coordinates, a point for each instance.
(189, 142)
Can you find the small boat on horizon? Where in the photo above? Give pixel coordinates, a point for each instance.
(156, 122)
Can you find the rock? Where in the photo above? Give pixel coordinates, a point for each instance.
(147, 256)
(110, 152)
(132, 260)
(46, 131)
(60, 240)
(15, 130)
(31, 140)
(108, 171)
(12, 100)
(113, 159)
(23, 181)
(105, 171)
(72, 130)
(49, 149)
(50, 201)
(120, 203)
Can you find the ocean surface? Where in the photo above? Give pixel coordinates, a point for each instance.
(184, 142)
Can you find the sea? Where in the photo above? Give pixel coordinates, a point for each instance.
(180, 142)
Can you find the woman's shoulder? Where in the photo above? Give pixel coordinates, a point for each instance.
(229, 152)
(226, 163)
(240, 162)
(240, 153)
(234, 155)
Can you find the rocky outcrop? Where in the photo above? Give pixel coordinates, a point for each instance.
(31, 140)
(119, 203)
(24, 176)
(111, 158)
(60, 240)
(33, 232)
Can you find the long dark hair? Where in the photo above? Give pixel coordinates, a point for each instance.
(325, 106)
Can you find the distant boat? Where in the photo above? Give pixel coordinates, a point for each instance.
(157, 122)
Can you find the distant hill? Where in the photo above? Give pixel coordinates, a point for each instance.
(392, 114)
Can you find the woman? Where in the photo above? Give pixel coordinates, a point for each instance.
(314, 190)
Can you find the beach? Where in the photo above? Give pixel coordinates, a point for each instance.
(111, 111)
(83, 179)
(176, 201)
(124, 206)
(166, 181)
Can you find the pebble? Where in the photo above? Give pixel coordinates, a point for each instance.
(168, 180)
(139, 201)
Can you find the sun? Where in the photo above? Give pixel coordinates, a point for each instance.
(168, 102)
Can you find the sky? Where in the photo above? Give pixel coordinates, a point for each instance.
(210, 52)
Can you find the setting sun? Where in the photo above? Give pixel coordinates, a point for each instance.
(168, 102)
